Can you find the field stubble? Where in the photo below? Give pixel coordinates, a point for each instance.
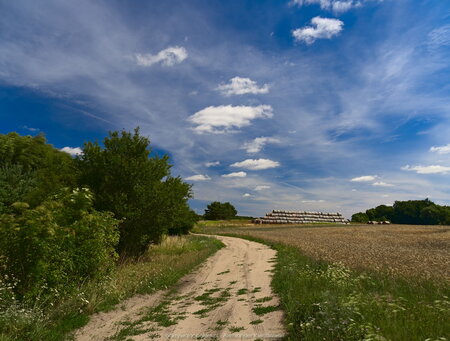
(421, 252)
(372, 283)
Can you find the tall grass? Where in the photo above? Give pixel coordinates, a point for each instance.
(52, 319)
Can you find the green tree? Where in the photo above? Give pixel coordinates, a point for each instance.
(360, 217)
(218, 211)
(408, 212)
(380, 213)
(137, 187)
(38, 169)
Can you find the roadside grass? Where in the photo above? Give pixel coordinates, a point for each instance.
(329, 301)
(52, 320)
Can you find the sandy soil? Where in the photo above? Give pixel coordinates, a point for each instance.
(227, 298)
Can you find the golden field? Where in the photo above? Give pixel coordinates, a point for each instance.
(421, 252)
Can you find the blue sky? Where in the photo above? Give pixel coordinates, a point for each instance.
(307, 104)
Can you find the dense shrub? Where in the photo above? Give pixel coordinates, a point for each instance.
(218, 211)
(31, 157)
(57, 245)
(16, 184)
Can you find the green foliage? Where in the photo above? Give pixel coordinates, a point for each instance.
(380, 213)
(414, 212)
(137, 188)
(16, 184)
(57, 245)
(220, 211)
(161, 267)
(36, 167)
(360, 217)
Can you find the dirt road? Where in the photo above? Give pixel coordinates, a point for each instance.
(227, 298)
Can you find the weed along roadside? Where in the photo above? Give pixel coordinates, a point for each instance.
(326, 300)
(159, 268)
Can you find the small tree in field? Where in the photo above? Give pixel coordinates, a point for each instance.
(220, 211)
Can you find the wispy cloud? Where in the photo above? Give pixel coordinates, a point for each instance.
(322, 28)
(72, 151)
(212, 163)
(336, 6)
(242, 86)
(34, 130)
(235, 175)
(439, 37)
(432, 169)
(312, 201)
(261, 187)
(258, 143)
(225, 117)
(364, 178)
(198, 177)
(256, 164)
(382, 184)
(441, 149)
(167, 57)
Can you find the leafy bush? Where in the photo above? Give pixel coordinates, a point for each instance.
(39, 169)
(220, 211)
(16, 184)
(57, 245)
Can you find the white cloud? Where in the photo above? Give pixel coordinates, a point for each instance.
(323, 28)
(168, 57)
(31, 129)
(224, 117)
(241, 86)
(198, 177)
(365, 178)
(212, 163)
(382, 184)
(72, 151)
(433, 169)
(235, 175)
(257, 144)
(312, 201)
(261, 187)
(441, 149)
(247, 195)
(258, 164)
(337, 6)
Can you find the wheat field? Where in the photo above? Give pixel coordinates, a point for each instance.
(421, 252)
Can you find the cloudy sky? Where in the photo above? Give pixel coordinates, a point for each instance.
(332, 105)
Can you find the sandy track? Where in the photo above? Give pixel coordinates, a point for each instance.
(227, 298)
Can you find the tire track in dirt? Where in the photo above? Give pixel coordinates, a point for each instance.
(227, 298)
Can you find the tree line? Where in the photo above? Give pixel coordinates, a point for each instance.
(64, 220)
(414, 212)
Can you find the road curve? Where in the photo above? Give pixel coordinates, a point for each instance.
(227, 298)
